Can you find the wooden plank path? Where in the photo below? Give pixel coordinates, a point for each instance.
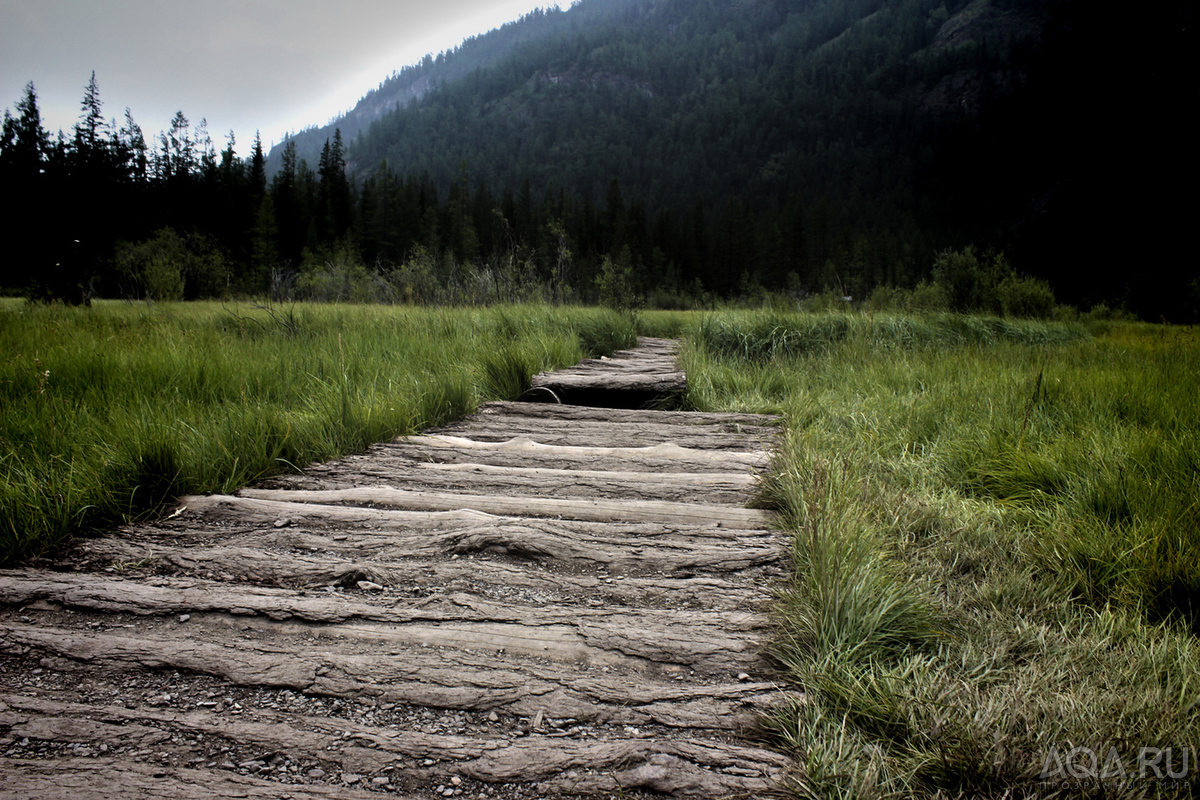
(541, 600)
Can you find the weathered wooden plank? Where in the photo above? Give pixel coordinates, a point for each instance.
(630, 416)
(169, 596)
(471, 478)
(291, 557)
(663, 382)
(582, 508)
(602, 433)
(436, 675)
(111, 779)
(730, 769)
(722, 460)
(619, 547)
(704, 480)
(405, 454)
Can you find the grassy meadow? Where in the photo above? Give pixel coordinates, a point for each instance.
(996, 537)
(995, 523)
(106, 413)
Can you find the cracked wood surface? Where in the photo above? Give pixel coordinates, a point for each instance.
(537, 601)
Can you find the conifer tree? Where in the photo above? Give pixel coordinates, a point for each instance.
(336, 200)
(90, 121)
(24, 144)
(257, 174)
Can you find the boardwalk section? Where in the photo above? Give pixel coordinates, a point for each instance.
(542, 600)
(629, 379)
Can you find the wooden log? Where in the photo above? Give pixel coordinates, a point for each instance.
(630, 416)
(731, 770)
(433, 675)
(665, 451)
(110, 779)
(601, 433)
(583, 509)
(174, 596)
(405, 454)
(303, 559)
(726, 488)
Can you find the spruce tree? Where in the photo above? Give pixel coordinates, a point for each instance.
(90, 122)
(257, 173)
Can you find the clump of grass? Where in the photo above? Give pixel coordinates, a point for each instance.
(602, 331)
(763, 337)
(108, 413)
(849, 601)
(996, 545)
(506, 374)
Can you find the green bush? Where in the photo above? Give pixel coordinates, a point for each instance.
(1022, 296)
(171, 266)
(968, 282)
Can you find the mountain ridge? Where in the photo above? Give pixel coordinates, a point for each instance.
(414, 81)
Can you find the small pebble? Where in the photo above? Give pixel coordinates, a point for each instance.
(743, 677)
(184, 617)
(457, 781)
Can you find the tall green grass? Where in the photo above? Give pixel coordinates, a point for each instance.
(996, 544)
(106, 413)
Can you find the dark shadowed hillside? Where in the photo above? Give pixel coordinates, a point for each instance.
(413, 82)
(887, 127)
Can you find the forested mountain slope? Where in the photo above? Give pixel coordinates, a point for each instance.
(869, 130)
(414, 81)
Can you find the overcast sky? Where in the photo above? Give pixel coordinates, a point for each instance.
(271, 65)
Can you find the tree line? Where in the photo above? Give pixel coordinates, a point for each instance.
(171, 216)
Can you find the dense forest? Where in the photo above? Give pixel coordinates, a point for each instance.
(668, 153)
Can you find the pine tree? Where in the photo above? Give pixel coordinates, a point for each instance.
(335, 197)
(25, 150)
(134, 155)
(90, 122)
(24, 144)
(257, 174)
(175, 160)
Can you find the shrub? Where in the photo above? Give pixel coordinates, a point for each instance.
(171, 266)
(1022, 296)
(615, 282)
